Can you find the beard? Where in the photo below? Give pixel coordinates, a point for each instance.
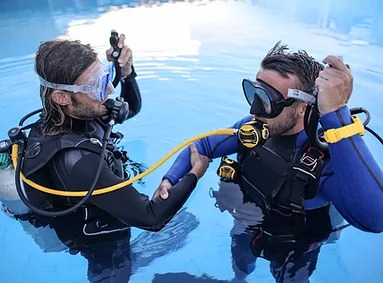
(86, 111)
(284, 122)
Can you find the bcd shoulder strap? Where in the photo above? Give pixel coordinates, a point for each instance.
(305, 174)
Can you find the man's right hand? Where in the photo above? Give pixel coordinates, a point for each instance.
(198, 162)
(199, 165)
(162, 190)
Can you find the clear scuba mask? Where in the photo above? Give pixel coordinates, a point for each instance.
(96, 88)
(265, 101)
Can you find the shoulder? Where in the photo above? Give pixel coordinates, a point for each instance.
(68, 146)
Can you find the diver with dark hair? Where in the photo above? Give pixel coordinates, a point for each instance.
(72, 148)
(287, 170)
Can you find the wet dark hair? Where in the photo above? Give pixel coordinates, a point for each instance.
(62, 62)
(298, 63)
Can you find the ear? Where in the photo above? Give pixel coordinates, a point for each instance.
(302, 109)
(61, 97)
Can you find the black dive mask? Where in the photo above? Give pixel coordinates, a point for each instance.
(265, 101)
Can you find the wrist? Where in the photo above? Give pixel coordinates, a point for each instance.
(166, 183)
(194, 176)
(130, 75)
(196, 173)
(336, 119)
(126, 73)
(325, 110)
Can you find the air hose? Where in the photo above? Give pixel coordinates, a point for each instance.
(15, 152)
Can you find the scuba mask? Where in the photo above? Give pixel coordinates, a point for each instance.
(97, 87)
(265, 101)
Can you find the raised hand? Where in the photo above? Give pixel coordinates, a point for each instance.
(125, 60)
(334, 85)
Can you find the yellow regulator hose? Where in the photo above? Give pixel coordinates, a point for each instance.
(15, 149)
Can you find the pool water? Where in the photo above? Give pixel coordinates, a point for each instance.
(190, 57)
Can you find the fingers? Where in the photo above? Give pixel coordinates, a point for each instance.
(121, 42)
(336, 62)
(161, 192)
(334, 85)
(109, 52)
(193, 148)
(164, 194)
(125, 56)
(156, 194)
(328, 73)
(336, 69)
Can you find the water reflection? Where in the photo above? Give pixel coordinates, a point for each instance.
(21, 18)
(353, 18)
(111, 258)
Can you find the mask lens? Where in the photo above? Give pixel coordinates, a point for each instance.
(263, 100)
(257, 97)
(249, 91)
(106, 79)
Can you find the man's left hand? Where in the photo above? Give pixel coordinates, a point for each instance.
(334, 85)
(125, 60)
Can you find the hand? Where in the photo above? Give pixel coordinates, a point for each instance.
(126, 58)
(162, 190)
(198, 162)
(334, 85)
(199, 165)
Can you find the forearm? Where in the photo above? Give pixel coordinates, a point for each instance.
(126, 204)
(356, 188)
(135, 209)
(130, 92)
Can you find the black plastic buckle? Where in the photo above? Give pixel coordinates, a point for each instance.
(310, 158)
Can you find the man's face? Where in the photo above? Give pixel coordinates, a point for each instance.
(83, 105)
(288, 121)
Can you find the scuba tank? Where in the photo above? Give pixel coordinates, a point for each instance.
(8, 193)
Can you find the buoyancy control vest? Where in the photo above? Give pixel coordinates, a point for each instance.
(40, 149)
(278, 180)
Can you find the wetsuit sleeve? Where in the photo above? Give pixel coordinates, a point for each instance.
(356, 184)
(130, 92)
(126, 204)
(212, 147)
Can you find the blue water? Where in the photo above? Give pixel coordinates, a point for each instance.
(191, 59)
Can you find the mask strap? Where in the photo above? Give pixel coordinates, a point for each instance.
(56, 86)
(301, 96)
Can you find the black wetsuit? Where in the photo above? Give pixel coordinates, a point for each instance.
(100, 228)
(256, 234)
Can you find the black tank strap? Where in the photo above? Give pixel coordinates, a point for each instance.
(305, 172)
